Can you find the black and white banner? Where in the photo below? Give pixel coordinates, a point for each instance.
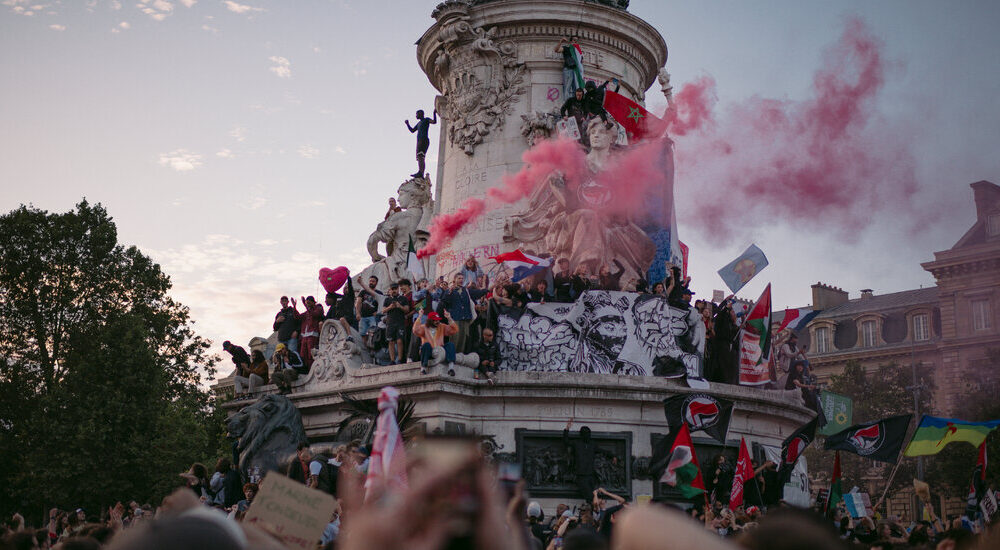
(603, 332)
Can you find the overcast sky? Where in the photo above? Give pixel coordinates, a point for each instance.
(244, 145)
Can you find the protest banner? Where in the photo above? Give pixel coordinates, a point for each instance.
(291, 511)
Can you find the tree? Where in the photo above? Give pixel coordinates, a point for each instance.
(100, 371)
(877, 393)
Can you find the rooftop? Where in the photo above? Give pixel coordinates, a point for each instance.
(882, 302)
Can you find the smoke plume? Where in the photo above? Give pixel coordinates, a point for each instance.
(444, 227)
(825, 162)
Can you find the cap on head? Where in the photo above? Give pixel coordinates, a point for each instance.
(280, 347)
(534, 510)
(226, 344)
(433, 316)
(590, 85)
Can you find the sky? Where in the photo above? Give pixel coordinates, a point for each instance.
(244, 145)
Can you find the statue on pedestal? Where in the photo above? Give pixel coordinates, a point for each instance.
(567, 219)
(397, 230)
(266, 432)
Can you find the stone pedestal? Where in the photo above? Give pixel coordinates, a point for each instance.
(494, 63)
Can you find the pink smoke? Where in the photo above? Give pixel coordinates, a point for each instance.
(539, 162)
(828, 161)
(691, 108)
(444, 227)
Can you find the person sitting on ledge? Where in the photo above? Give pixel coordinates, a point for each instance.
(432, 334)
(287, 368)
(489, 356)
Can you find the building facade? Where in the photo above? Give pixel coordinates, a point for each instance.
(950, 326)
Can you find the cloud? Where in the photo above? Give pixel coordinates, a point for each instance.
(232, 286)
(340, 150)
(57, 27)
(282, 67)
(316, 49)
(361, 66)
(181, 160)
(158, 10)
(225, 154)
(124, 25)
(116, 5)
(241, 8)
(189, 3)
(209, 28)
(308, 151)
(238, 133)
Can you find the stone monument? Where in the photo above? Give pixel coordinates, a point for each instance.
(592, 361)
(500, 79)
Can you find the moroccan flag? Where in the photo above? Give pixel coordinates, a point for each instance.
(413, 265)
(977, 487)
(797, 318)
(744, 473)
(880, 440)
(755, 343)
(699, 411)
(637, 121)
(836, 492)
(934, 434)
(792, 448)
(523, 265)
(682, 472)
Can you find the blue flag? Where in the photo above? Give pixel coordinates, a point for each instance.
(739, 271)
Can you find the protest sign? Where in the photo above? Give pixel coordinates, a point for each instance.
(291, 511)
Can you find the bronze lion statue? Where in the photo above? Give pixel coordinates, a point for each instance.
(267, 431)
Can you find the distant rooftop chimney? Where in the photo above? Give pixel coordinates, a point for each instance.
(867, 293)
(987, 196)
(826, 296)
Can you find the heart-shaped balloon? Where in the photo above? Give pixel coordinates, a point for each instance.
(333, 279)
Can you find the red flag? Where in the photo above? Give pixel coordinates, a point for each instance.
(744, 473)
(836, 492)
(684, 256)
(755, 343)
(637, 121)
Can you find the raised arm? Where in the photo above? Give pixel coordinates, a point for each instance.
(410, 128)
(558, 48)
(435, 119)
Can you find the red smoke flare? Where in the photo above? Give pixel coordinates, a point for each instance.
(445, 226)
(827, 161)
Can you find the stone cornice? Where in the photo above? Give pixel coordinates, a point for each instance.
(965, 261)
(593, 23)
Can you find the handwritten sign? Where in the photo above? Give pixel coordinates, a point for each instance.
(568, 128)
(291, 511)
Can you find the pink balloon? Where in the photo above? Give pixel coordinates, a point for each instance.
(333, 279)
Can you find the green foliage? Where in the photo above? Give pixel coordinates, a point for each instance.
(877, 393)
(100, 372)
(950, 470)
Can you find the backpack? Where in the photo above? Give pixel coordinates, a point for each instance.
(327, 479)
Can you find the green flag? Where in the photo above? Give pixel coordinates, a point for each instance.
(838, 410)
(413, 264)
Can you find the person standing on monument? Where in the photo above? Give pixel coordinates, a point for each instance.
(423, 140)
(584, 451)
(395, 308)
(572, 70)
(287, 325)
(310, 321)
(458, 302)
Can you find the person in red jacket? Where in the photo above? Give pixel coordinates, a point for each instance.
(310, 322)
(432, 335)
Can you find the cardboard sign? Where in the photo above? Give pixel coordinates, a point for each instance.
(718, 296)
(989, 505)
(568, 128)
(291, 511)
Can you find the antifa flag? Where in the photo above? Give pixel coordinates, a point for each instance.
(977, 487)
(879, 440)
(792, 448)
(699, 411)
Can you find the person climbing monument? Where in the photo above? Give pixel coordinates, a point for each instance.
(423, 141)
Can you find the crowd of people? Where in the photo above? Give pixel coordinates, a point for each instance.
(409, 321)
(209, 511)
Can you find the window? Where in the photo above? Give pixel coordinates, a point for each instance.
(868, 334)
(822, 340)
(920, 327)
(993, 225)
(981, 315)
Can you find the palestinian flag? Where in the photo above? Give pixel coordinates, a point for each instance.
(755, 343)
(792, 448)
(699, 411)
(744, 473)
(683, 472)
(836, 492)
(934, 434)
(414, 265)
(880, 440)
(977, 487)
(577, 53)
(637, 121)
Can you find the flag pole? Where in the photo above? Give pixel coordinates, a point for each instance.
(888, 484)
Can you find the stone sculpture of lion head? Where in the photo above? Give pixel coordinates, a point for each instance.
(267, 431)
